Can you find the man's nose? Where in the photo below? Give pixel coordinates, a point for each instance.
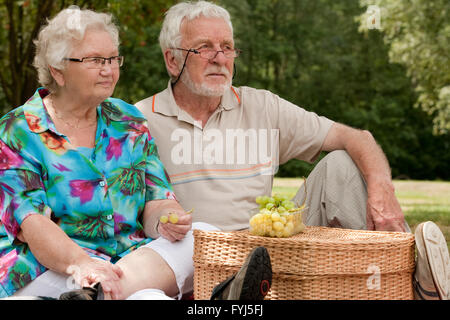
(220, 58)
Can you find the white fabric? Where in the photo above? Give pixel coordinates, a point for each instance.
(49, 284)
(149, 294)
(178, 256)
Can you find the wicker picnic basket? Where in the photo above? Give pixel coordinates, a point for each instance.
(320, 263)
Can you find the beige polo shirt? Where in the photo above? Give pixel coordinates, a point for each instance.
(220, 169)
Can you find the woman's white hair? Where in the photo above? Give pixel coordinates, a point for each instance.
(170, 36)
(56, 39)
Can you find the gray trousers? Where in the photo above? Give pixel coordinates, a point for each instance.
(336, 194)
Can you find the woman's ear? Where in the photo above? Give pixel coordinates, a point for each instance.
(171, 63)
(57, 75)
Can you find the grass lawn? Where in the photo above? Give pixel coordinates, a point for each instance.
(420, 200)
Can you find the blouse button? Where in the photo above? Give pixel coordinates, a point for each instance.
(109, 217)
(102, 183)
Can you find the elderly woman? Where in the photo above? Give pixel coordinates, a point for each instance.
(82, 188)
(81, 184)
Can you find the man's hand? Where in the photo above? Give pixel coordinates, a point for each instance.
(383, 209)
(176, 231)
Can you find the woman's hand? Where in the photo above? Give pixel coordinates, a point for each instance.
(92, 270)
(53, 248)
(171, 231)
(176, 231)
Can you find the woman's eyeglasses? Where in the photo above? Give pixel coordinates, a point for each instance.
(99, 62)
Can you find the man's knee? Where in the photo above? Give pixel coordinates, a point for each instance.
(338, 156)
(339, 163)
(341, 176)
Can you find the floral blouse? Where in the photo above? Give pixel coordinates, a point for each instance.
(95, 196)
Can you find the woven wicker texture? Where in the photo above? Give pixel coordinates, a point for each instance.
(320, 263)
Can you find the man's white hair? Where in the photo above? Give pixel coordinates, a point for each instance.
(56, 39)
(170, 36)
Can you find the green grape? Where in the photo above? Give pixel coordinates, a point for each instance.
(278, 226)
(281, 209)
(163, 219)
(173, 218)
(261, 200)
(278, 199)
(278, 217)
(287, 204)
(275, 217)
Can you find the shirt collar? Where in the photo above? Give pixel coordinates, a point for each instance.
(164, 102)
(39, 120)
(35, 114)
(230, 99)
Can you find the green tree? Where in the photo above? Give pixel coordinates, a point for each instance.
(308, 52)
(418, 35)
(19, 25)
(144, 72)
(139, 23)
(311, 53)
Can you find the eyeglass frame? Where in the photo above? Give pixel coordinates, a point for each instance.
(237, 52)
(196, 51)
(104, 59)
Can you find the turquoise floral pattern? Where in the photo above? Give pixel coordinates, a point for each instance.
(97, 201)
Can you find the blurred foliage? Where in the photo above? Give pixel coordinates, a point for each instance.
(311, 53)
(144, 72)
(308, 52)
(418, 35)
(139, 23)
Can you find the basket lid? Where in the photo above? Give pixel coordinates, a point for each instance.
(317, 250)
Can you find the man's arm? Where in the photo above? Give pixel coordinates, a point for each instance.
(383, 209)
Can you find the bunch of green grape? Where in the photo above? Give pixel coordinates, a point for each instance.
(277, 217)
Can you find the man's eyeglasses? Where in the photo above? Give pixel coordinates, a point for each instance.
(210, 54)
(99, 62)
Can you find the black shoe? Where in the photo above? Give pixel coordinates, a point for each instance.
(251, 282)
(86, 293)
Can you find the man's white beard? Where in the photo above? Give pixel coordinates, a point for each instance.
(203, 89)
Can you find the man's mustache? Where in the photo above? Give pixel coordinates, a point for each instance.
(221, 70)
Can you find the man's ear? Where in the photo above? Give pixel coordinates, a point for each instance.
(57, 75)
(171, 63)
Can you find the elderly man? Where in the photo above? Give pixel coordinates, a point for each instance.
(221, 144)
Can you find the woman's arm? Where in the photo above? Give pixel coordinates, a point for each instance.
(50, 245)
(56, 251)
